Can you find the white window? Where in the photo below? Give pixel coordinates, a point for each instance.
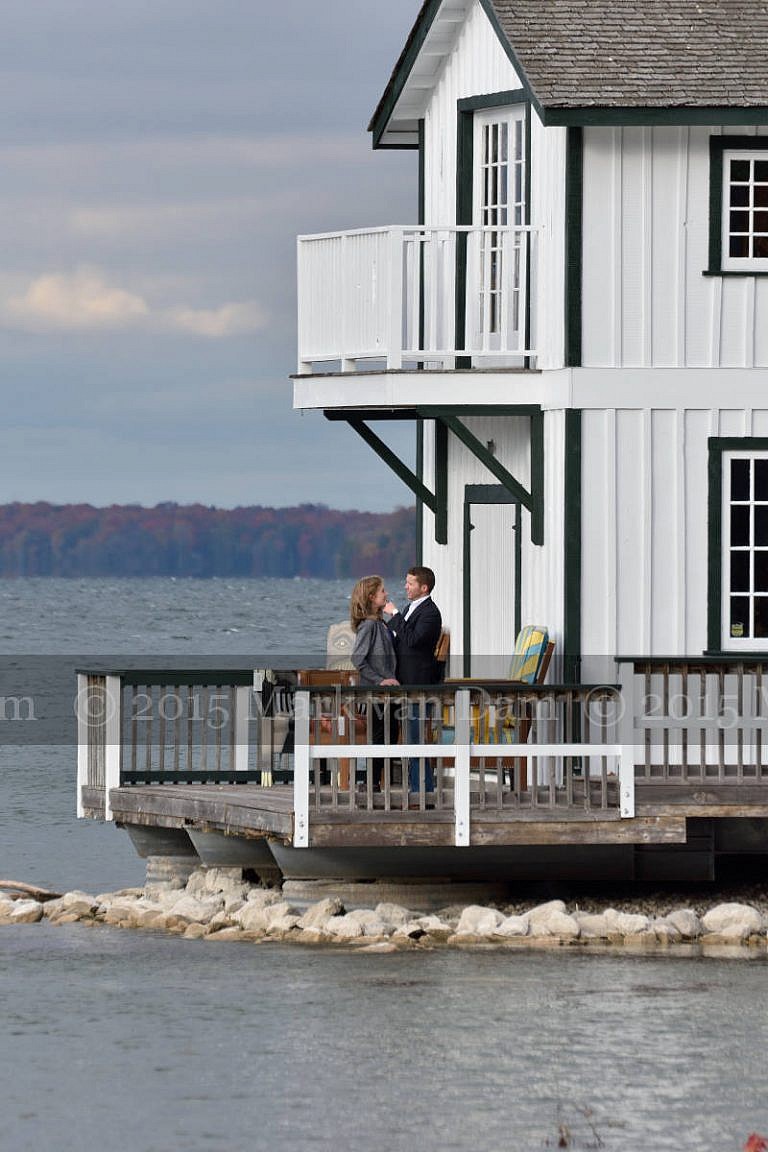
(500, 203)
(745, 210)
(745, 550)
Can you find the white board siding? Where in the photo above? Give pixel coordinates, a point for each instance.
(645, 246)
(542, 566)
(644, 535)
(478, 66)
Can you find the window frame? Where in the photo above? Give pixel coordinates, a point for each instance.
(721, 452)
(722, 148)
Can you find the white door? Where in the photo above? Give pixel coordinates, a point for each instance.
(496, 257)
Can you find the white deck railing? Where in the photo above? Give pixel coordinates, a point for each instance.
(394, 295)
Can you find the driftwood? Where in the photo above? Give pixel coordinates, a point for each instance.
(16, 890)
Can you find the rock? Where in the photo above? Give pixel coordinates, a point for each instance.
(592, 926)
(664, 932)
(393, 914)
(195, 931)
(544, 911)
(233, 933)
(24, 912)
(685, 921)
(512, 926)
(743, 918)
(411, 929)
(317, 915)
(554, 923)
(282, 925)
(264, 896)
(478, 921)
(344, 927)
(218, 881)
(256, 916)
(625, 923)
(436, 929)
(371, 924)
(79, 904)
(382, 946)
(192, 910)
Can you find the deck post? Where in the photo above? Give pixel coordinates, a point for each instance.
(112, 739)
(82, 740)
(240, 721)
(627, 740)
(301, 766)
(395, 341)
(461, 779)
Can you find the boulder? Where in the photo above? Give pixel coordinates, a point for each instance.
(195, 931)
(410, 930)
(476, 920)
(554, 922)
(25, 912)
(372, 924)
(626, 923)
(685, 921)
(544, 911)
(393, 914)
(592, 926)
(742, 918)
(218, 881)
(512, 926)
(317, 915)
(77, 904)
(192, 910)
(256, 916)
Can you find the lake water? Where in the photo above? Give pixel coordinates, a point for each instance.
(131, 1041)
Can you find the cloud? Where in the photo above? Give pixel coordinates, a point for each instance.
(82, 300)
(228, 320)
(85, 301)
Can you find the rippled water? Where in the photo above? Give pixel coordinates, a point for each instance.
(127, 1040)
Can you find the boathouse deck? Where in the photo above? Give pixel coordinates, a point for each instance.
(249, 755)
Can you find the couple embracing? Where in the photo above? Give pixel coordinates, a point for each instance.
(397, 650)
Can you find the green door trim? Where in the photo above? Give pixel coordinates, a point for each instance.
(486, 494)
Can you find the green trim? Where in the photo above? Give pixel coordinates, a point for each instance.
(464, 193)
(572, 546)
(717, 446)
(402, 70)
(717, 146)
(488, 8)
(537, 478)
(401, 470)
(466, 598)
(441, 483)
(648, 116)
(574, 223)
(422, 182)
(433, 410)
(534, 500)
(527, 217)
(493, 100)
(729, 272)
(420, 503)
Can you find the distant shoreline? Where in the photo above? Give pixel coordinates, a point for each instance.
(308, 541)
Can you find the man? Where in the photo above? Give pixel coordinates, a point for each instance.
(417, 630)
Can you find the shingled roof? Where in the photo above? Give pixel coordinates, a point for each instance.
(640, 53)
(602, 60)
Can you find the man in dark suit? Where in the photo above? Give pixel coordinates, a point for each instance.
(416, 631)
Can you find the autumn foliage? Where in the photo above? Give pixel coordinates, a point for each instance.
(193, 540)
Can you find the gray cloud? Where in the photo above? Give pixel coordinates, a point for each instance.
(156, 164)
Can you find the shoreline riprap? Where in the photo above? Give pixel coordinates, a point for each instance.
(217, 904)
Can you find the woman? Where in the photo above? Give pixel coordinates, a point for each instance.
(373, 655)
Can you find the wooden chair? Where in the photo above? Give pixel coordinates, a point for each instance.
(529, 665)
(324, 728)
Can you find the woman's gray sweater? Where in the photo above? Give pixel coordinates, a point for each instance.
(374, 652)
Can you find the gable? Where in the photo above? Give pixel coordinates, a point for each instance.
(605, 61)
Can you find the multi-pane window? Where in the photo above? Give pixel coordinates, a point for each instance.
(500, 201)
(745, 549)
(745, 210)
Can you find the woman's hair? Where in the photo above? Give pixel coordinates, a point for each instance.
(360, 600)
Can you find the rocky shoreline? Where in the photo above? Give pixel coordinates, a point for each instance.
(217, 904)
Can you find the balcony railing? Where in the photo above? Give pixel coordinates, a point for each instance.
(416, 294)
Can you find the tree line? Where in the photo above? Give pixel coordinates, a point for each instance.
(194, 540)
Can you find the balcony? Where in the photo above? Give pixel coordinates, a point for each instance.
(435, 296)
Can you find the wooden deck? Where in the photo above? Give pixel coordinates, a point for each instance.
(250, 811)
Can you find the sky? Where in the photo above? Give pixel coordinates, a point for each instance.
(157, 160)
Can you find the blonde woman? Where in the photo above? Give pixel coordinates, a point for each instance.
(373, 655)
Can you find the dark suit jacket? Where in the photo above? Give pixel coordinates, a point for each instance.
(415, 640)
